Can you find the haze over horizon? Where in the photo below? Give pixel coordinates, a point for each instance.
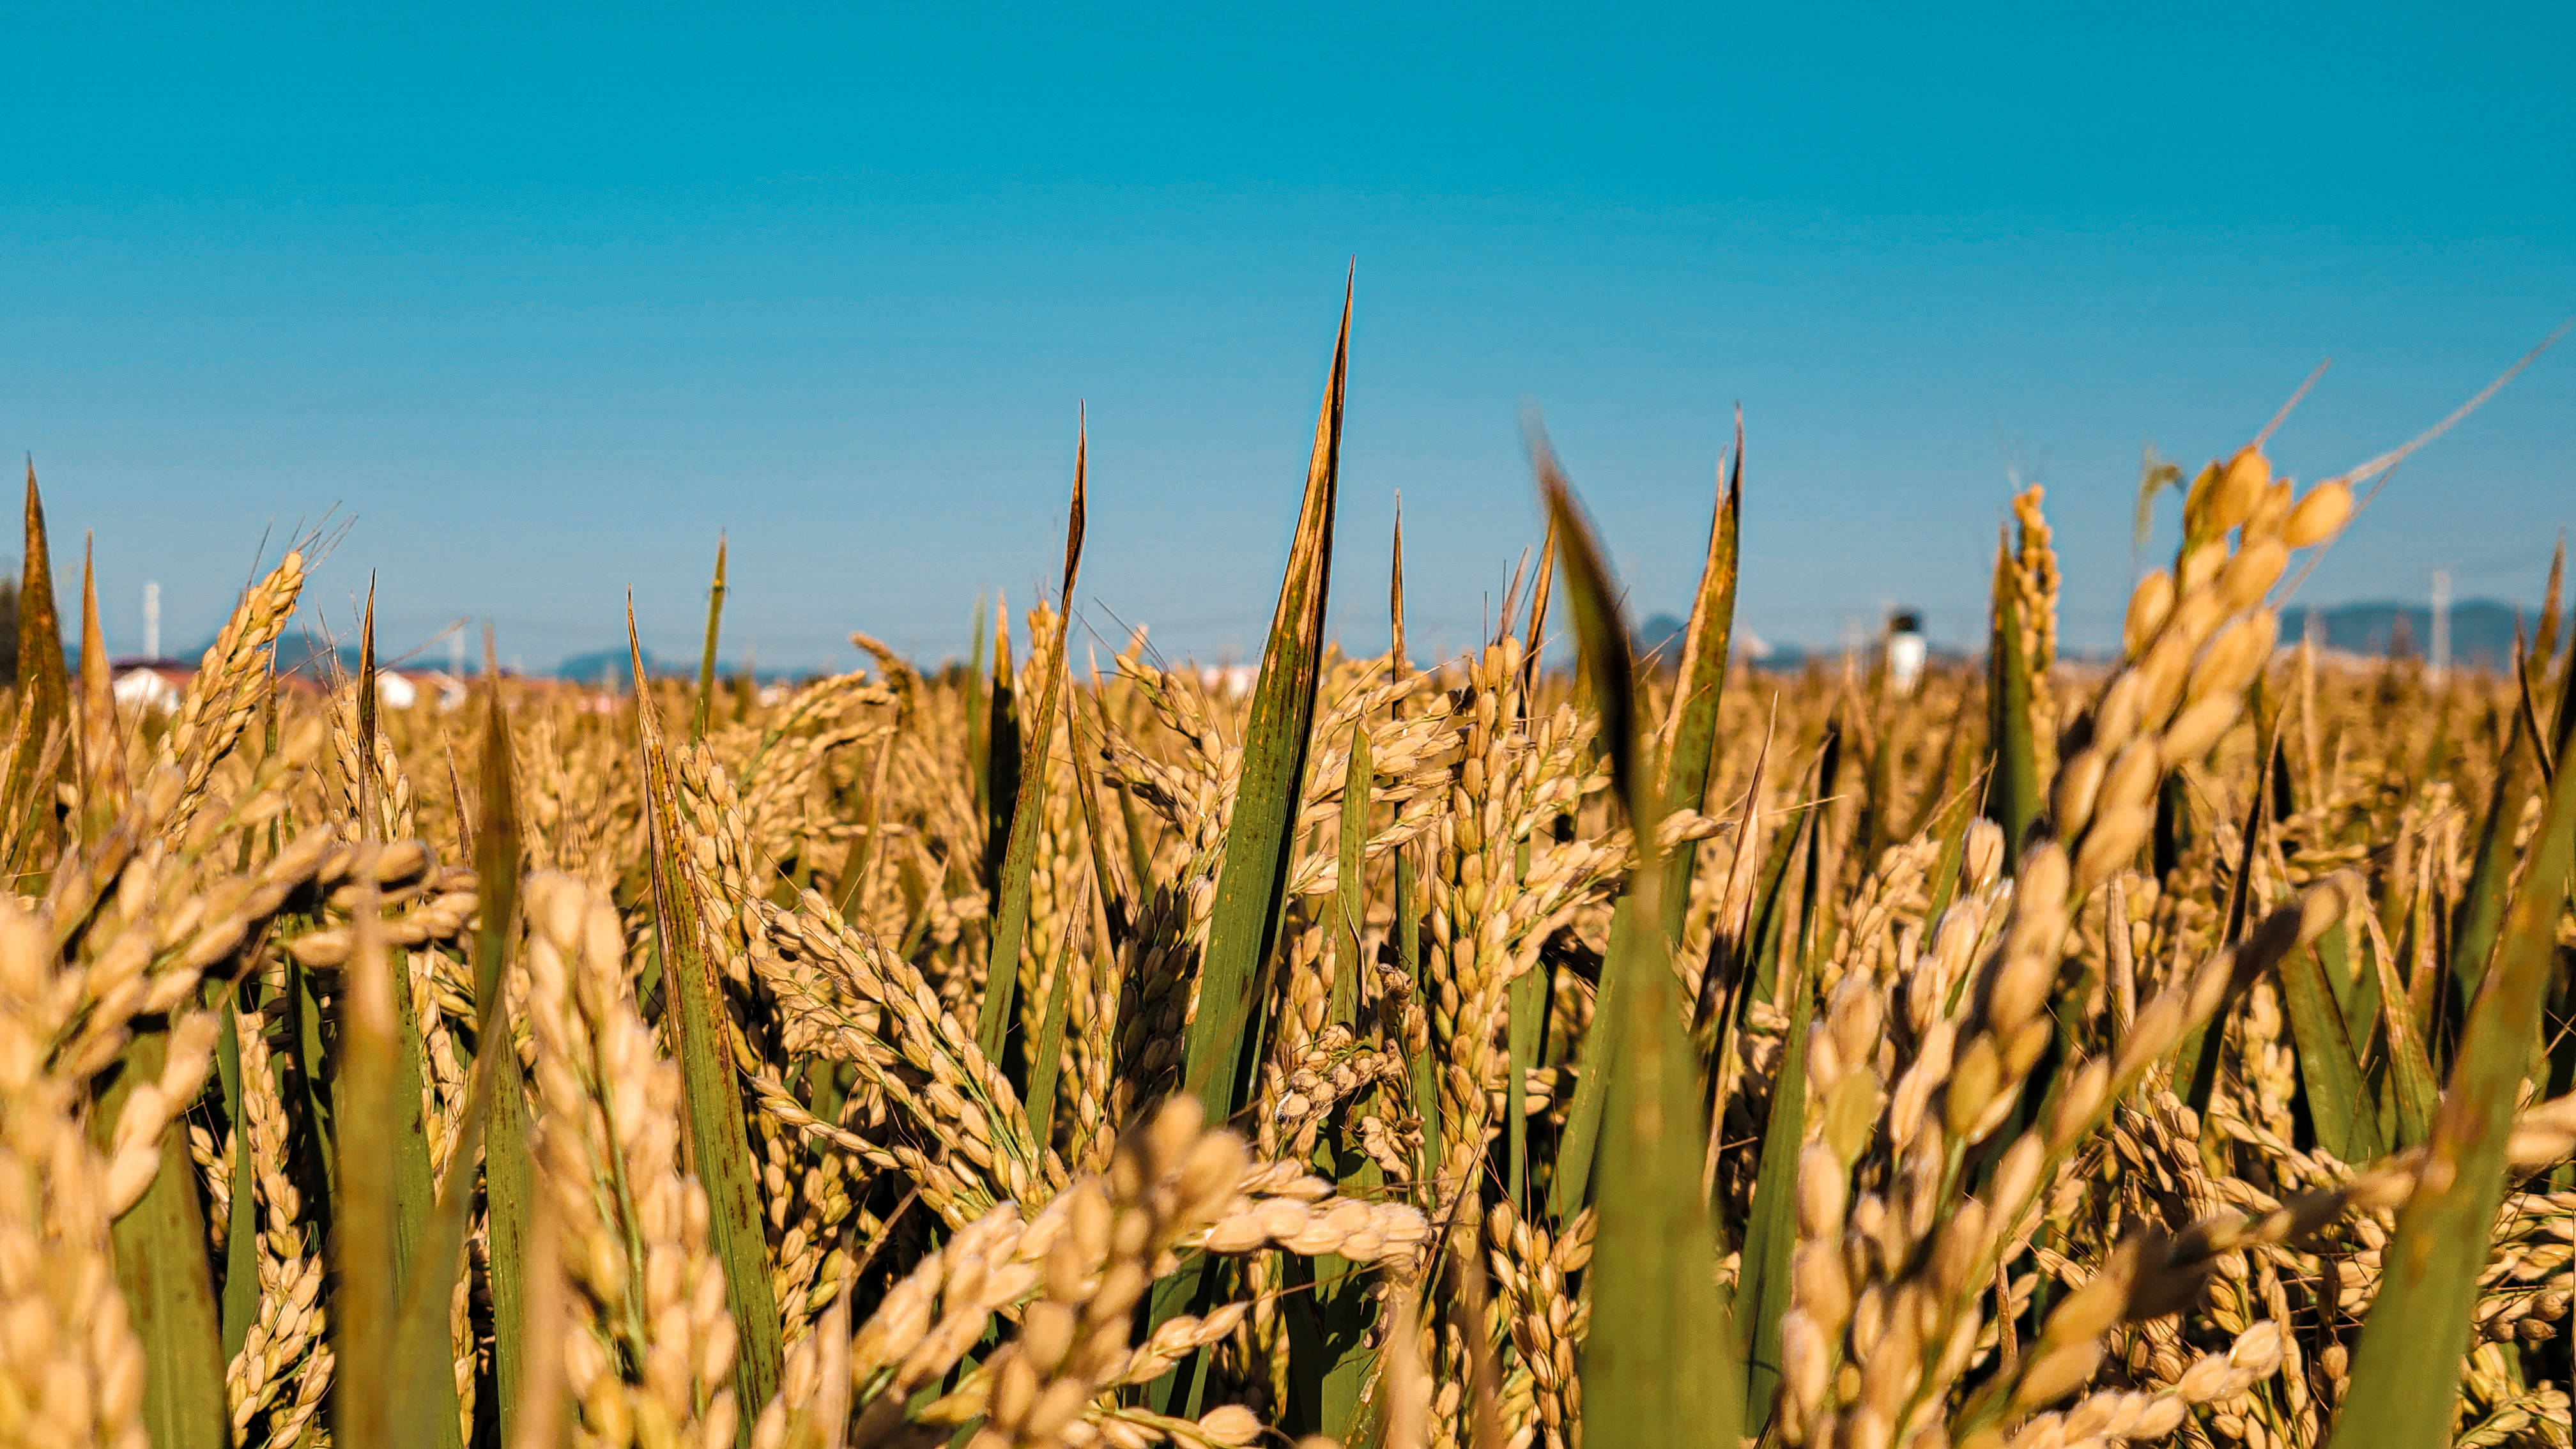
(546, 303)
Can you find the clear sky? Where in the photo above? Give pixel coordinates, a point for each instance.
(545, 302)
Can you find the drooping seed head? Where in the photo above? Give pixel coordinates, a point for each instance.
(2252, 572)
(2079, 782)
(2319, 516)
(2149, 602)
(2239, 489)
(2199, 727)
(2275, 506)
(2201, 563)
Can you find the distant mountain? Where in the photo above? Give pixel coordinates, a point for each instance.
(615, 666)
(306, 654)
(618, 669)
(2481, 635)
(2481, 629)
(1661, 637)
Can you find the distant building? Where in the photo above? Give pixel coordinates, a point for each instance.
(1229, 681)
(158, 684)
(1906, 650)
(1660, 639)
(405, 688)
(149, 684)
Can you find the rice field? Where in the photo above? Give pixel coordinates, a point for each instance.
(1409, 1053)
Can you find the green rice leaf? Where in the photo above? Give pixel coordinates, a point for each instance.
(2481, 918)
(999, 787)
(1658, 1367)
(2414, 1091)
(716, 1148)
(1253, 878)
(1046, 1060)
(1408, 901)
(169, 1289)
(1771, 1230)
(420, 1375)
(1028, 814)
(241, 1229)
(1690, 730)
(978, 737)
(367, 1207)
(2406, 1373)
(160, 1242)
(509, 1181)
(1568, 1189)
(40, 756)
(1343, 1309)
(2330, 1076)
(707, 659)
(1350, 900)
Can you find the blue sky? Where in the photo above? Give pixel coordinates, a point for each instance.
(545, 303)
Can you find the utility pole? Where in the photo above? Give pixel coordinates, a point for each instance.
(152, 621)
(2440, 657)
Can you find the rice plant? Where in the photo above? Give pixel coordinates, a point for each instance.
(1407, 1053)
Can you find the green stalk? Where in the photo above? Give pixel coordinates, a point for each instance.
(313, 1072)
(716, 1148)
(1408, 900)
(425, 1392)
(1046, 1062)
(978, 743)
(1525, 1007)
(425, 1408)
(1690, 732)
(2016, 799)
(2330, 1076)
(1350, 899)
(1525, 1000)
(1342, 1307)
(1953, 825)
(160, 1242)
(161, 1266)
(1000, 787)
(1568, 1189)
(509, 1169)
(1771, 911)
(2481, 918)
(241, 1230)
(2196, 1062)
(1771, 1230)
(1660, 1323)
(1408, 929)
(2414, 1092)
(1252, 878)
(240, 1301)
(2544, 634)
(1115, 911)
(1028, 813)
(368, 1231)
(707, 660)
(2356, 993)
